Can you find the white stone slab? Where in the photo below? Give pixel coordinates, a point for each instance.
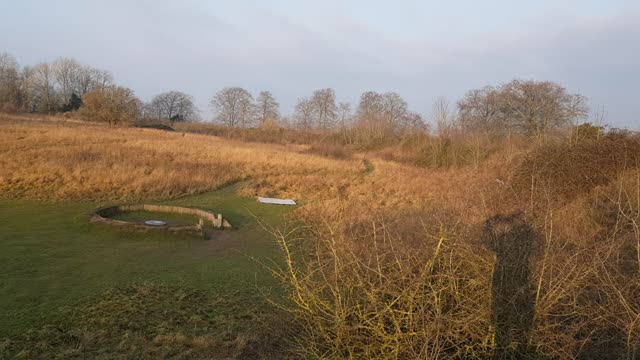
(276, 201)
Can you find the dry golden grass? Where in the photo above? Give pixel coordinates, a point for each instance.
(53, 160)
(46, 160)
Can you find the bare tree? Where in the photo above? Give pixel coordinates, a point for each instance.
(29, 98)
(480, 109)
(7, 63)
(344, 114)
(233, 107)
(536, 108)
(370, 118)
(43, 86)
(304, 114)
(388, 108)
(85, 80)
(267, 107)
(324, 106)
(371, 106)
(380, 116)
(101, 78)
(66, 72)
(412, 123)
(530, 107)
(394, 109)
(443, 117)
(151, 110)
(173, 106)
(89, 78)
(9, 81)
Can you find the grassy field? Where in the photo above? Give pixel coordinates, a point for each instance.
(52, 259)
(402, 250)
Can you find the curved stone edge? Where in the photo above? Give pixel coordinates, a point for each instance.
(102, 215)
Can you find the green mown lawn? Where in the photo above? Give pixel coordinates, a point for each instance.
(51, 258)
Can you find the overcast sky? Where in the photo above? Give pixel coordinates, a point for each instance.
(420, 49)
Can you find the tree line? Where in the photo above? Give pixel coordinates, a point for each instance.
(66, 85)
(47, 87)
(534, 108)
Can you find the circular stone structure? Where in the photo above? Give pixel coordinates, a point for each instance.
(104, 215)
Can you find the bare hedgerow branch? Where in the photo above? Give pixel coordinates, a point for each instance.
(376, 298)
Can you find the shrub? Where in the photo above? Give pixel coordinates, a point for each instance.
(269, 125)
(330, 150)
(586, 132)
(561, 171)
(111, 104)
(440, 151)
(405, 286)
(445, 153)
(9, 108)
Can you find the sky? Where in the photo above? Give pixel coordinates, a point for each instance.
(422, 50)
